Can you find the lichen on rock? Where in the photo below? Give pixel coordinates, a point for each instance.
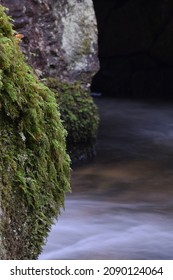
(79, 37)
(67, 33)
(34, 165)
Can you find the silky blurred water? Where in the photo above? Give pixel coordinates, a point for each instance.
(121, 206)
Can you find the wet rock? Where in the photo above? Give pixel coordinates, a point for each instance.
(60, 37)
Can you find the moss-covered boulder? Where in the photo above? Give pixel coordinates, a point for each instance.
(34, 166)
(80, 118)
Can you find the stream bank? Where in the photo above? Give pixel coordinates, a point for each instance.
(121, 206)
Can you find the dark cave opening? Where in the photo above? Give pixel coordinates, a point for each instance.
(135, 48)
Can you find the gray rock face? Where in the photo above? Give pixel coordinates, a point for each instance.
(134, 36)
(60, 37)
(79, 36)
(135, 47)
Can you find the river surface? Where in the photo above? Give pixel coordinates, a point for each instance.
(121, 206)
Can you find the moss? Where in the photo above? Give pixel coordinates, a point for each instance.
(80, 117)
(34, 165)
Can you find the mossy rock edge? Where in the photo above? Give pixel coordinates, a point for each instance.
(80, 118)
(34, 165)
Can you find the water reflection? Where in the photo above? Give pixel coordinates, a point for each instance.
(122, 202)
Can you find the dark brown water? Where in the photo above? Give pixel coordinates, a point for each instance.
(122, 202)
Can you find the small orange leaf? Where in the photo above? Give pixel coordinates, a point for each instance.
(19, 36)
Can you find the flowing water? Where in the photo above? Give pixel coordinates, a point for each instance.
(121, 206)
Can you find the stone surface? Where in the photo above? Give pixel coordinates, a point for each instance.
(60, 37)
(135, 42)
(134, 37)
(79, 37)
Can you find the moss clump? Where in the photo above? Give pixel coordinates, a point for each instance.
(80, 117)
(34, 166)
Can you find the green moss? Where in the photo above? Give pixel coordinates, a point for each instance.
(34, 166)
(79, 115)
